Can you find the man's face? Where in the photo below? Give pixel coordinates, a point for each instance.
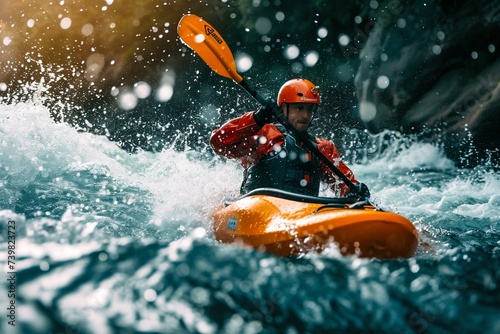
(299, 114)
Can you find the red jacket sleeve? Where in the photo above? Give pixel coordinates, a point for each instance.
(336, 184)
(241, 138)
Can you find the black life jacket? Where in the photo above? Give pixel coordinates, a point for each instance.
(294, 168)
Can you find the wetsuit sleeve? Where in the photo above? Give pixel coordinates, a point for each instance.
(242, 138)
(336, 184)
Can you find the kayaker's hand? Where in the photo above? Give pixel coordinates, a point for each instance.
(361, 192)
(265, 114)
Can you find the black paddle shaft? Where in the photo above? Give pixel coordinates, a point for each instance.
(305, 139)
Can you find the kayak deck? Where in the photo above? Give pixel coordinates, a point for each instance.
(288, 224)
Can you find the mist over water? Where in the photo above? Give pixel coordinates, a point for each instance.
(111, 241)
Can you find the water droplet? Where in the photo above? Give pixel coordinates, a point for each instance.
(383, 82)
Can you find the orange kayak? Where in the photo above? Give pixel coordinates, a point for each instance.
(288, 224)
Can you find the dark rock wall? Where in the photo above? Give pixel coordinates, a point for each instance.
(434, 64)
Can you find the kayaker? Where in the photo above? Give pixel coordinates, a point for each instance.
(273, 157)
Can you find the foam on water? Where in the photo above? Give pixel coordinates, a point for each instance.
(172, 190)
(33, 144)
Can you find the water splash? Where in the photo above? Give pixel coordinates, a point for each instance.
(110, 240)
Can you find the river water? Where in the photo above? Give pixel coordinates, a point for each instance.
(113, 242)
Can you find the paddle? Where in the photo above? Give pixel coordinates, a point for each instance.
(201, 37)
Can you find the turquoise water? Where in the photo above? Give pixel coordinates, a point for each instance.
(113, 242)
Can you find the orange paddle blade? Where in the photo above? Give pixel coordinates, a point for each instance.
(209, 45)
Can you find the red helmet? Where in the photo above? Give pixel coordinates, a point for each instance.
(298, 91)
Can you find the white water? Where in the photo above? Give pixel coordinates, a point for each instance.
(182, 186)
(76, 196)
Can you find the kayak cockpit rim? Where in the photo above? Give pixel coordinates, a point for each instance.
(296, 197)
